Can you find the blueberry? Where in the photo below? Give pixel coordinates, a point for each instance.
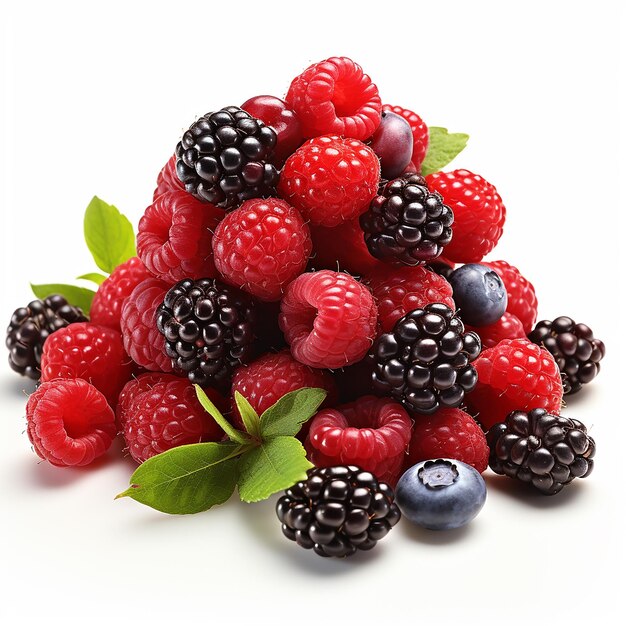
(441, 494)
(479, 294)
(393, 144)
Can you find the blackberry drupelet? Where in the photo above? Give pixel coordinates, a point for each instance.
(226, 157)
(337, 511)
(545, 450)
(209, 329)
(577, 352)
(443, 269)
(406, 223)
(424, 363)
(29, 328)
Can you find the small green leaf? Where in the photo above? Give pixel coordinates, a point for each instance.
(108, 234)
(187, 479)
(249, 416)
(93, 277)
(442, 148)
(291, 411)
(214, 412)
(276, 464)
(78, 296)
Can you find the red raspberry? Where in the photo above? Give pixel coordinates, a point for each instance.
(132, 389)
(261, 247)
(330, 179)
(478, 213)
(400, 290)
(329, 319)
(168, 180)
(449, 433)
(522, 300)
(142, 339)
(168, 415)
(106, 307)
(89, 351)
(266, 380)
(507, 327)
(335, 96)
(69, 422)
(372, 433)
(419, 130)
(515, 375)
(174, 237)
(342, 248)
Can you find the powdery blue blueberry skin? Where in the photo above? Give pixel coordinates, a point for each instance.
(441, 494)
(479, 294)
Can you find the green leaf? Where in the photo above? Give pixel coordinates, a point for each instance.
(93, 277)
(291, 411)
(187, 479)
(78, 296)
(108, 234)
(249, 416)
(442, 148)
(277, 464)
(214, 412)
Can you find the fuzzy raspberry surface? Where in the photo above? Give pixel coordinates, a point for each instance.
(515, 375)
(106, 307)
(507, 327)
(371, 432)
(335, 96)
(168, 180)
(451, 434)
(330, 179)
(142, 339)
(479, 213)
(329, 319)
(261, 247)
(70, 422)
(89, 351)
(174, 237)
(419, 130)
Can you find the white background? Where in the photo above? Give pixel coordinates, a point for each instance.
(94, 99)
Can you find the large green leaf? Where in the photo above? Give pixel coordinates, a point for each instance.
(78, 296)
(443, 147)
(291, 411)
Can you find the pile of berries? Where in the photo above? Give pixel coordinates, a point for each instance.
(306, 242)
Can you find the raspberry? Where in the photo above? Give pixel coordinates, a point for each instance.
(106, 307)
(330, 179)
(174, 237)
(335, 96)
(133, 388)
(522, 301)
(142, 339)
(372, 433)
(166, 415)
(264, 381)
(478, 213)
(69, 422)
(419, 130)
(507, 327)
(89, 351)
(168, 180)
(261, 247)
(449, 433)
(515, 375)
(329, 319)
(399, 291)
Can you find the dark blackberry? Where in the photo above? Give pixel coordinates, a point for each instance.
(424, 363)
(407, 224)
(337, 511)
(209, 329)
(574, 348)
(439, 267)
(29, 328)
(545, 450)
(226, 157)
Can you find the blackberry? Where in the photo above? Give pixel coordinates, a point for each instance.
(29, 328)
(226, 157)
(209, 329)
(545, 450)
(337, 511)
(439, 267)
(574, 348)
(424, 363)
(406, 223)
